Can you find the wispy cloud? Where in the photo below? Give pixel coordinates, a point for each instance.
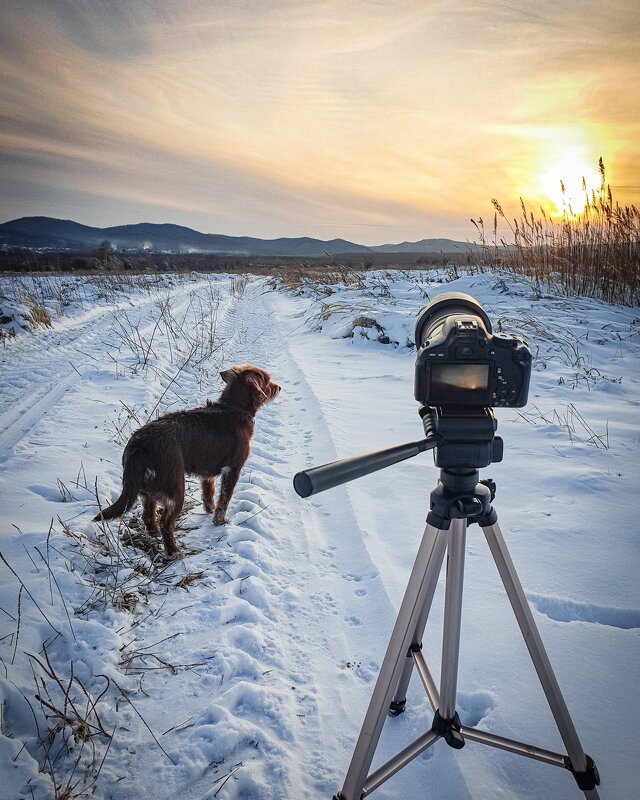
(292, 117)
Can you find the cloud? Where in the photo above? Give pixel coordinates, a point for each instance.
(286, 116)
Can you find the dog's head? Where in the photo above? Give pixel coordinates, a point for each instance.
(249, 387)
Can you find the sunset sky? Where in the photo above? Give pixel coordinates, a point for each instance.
(374, 121)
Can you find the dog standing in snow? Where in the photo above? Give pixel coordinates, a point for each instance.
(208, 441)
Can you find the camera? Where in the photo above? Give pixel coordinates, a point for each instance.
(461, 363)
(463, 370)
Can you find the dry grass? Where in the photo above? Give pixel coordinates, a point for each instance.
(318, 278)
(39, 317)
(594, 252)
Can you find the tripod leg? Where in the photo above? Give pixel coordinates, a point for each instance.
(425, 573)
(400, 694)
(452, 618)
(582, 767)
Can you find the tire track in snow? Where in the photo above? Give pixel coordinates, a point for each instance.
(41, 376)
(18, 422)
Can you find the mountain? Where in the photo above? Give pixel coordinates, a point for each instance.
(423, 246)
(59, 234)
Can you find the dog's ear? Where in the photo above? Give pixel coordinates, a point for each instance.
(228, 374)
(257, 384)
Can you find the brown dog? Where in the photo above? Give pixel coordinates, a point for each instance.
(209, 441)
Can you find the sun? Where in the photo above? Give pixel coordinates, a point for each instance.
(578, 178)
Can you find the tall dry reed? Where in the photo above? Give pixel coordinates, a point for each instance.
(593, 252)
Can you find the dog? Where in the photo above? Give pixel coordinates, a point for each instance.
(207, 442)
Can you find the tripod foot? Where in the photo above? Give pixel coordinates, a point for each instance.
(589, 778)
(449, 729)
(396, 707)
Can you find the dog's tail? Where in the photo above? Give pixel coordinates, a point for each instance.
(132, 483)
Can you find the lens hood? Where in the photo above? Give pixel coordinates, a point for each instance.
(445, 304)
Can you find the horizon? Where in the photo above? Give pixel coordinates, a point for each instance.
(371, 123)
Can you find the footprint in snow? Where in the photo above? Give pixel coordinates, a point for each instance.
(267, 469)
(474, 706)
(243, 504)
(253, 522)
(253, 497)
(324, 600)
(348, 576)
(270, 457)
(256, 480)
(241, 534)
(57, 494)
(367, 672)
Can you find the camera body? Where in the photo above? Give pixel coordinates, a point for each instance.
(460, 362)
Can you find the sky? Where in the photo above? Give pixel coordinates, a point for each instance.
(371, 120)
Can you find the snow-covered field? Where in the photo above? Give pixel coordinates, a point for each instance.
(244, 670)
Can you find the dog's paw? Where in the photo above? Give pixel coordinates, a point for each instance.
(220, 519)
(209, 507)
(174, 555)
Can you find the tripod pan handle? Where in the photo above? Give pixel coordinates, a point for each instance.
(326, 476)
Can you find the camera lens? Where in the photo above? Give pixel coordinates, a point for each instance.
(444, 305)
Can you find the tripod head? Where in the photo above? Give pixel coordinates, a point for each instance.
(462, 439)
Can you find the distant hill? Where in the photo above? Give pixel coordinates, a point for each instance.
(64, 234)
(423, 246)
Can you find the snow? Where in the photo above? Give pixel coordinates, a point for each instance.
(245, 669)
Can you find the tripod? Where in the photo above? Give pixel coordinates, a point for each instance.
(459, 497)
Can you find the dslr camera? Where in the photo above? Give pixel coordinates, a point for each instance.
(461, 363)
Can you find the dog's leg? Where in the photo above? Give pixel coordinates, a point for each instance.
(149, 516)
(208, 490)
(167, 526)
(229, 478)
(172, 507)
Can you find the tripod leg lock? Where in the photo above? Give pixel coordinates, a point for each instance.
(589, 778)
(449, 729)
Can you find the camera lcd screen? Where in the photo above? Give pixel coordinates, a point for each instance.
(459, 383)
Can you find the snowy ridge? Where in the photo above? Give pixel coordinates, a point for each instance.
(244, 670)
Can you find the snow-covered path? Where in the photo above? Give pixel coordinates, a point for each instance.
(244, 670)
